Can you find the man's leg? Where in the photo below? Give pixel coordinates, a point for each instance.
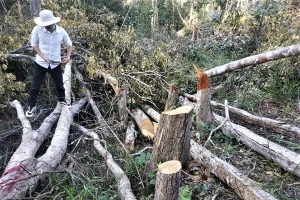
(38, 76)
(56, 75)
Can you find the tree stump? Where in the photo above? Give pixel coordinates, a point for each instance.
(168, 180)
(203, 108)
(172, 140)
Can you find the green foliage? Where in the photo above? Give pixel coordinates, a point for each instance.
(142, 159)
(149, 184)
(186, 193)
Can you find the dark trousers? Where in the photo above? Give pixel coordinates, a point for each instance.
(38, 76)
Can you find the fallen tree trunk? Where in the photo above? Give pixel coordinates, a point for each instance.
(144, 123)
(287, 159)
(124, 187)
(284, 52)
(23, 163)
(243, 186)
(172, 140)
(277, 126)
(152, 113)
(168, 180)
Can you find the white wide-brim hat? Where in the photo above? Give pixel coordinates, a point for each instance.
(46, 18)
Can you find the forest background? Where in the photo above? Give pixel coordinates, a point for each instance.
(150, 45)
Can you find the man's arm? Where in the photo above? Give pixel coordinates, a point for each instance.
(67, 59)
(38, 51)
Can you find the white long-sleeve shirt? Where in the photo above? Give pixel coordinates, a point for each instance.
(49, 44)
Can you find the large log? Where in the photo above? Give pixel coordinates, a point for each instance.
(287, 159)
(172, 140)
(168, 180)
(124, 187)
(275, 125)
(243, 186)
(284, 52)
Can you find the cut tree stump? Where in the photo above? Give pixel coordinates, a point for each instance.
(243, 186)
(287, 159)
(203, 109)
(172, 140)
(168, 180)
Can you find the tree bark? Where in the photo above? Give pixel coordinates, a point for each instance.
(172, 98)
(35, 7)
(131, 134)
(277, 126)
(144, 123)
(284, 52)
(243, 186)
(203, 97)
(168, 180)
(124, 187)
(172, 140)
(152, 113)
(122, 103)
(287, 159)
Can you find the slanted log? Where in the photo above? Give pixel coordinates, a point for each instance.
(168, 180)
(284, 52)
(144, 123)
(172, 98)
(172, 140)
(124, 187)
(287, 159)
(152, 113)
(203, 97)
(275, 125)
(243, 186)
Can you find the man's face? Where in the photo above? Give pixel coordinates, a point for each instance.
(50, 27)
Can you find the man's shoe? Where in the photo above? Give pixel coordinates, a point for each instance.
(64, 103)
(30, 111)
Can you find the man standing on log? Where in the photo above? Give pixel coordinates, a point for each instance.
(46, 40)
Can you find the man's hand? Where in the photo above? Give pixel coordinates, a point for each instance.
(65, 60)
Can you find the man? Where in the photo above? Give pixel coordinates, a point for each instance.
(46, 40)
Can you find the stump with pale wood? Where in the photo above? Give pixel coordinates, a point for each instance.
(203, 108)
(168, 180)
(172, 140)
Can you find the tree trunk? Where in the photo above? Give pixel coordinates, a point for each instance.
(122, 103)
(203, 109)
(35, 7)
(152, 113)
(154, 17)
(284, 52)
(168, 181)
(243, 186)
(172, 98)
(131, 134)
(172, 140)
(287, 159)
(277, 126)
(145, 125)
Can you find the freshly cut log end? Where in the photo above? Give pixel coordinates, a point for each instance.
(148, 128)
(180, 110)
(168, 181)
(170, 167)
